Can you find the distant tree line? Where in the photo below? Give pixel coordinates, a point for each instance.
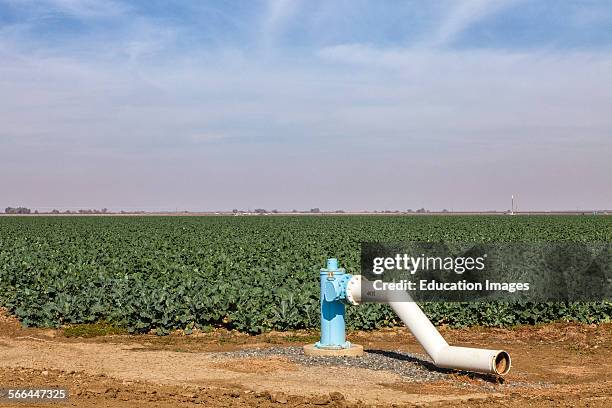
(94, 211)
(17, 210)
(83, 211)
(317, 210)
(24, 210)
(275, 211)
(260, 211)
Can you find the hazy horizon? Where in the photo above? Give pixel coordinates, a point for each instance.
(354, 105)
(269, 210)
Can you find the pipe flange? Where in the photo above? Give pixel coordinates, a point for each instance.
(353, 290)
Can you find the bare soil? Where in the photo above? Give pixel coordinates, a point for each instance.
(567, 365)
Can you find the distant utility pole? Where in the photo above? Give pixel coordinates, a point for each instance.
(514, 208)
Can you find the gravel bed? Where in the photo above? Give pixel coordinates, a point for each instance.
(413, 367)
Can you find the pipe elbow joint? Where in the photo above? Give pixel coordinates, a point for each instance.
(353, 290)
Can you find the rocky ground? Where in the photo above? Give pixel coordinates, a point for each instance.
(553, 365)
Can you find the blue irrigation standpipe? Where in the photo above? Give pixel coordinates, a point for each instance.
(339, 288)
(333, 297)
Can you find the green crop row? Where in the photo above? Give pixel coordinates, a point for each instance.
(248, 273)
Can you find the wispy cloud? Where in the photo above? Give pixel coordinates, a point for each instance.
(276, 15)
(461, 16)
(81, 9)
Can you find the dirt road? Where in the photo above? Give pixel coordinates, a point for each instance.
(553, 365)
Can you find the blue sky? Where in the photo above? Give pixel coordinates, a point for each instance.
(296, 104)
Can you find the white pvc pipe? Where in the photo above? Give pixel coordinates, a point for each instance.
(445, 356)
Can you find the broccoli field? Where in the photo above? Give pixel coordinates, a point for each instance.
(252, 274)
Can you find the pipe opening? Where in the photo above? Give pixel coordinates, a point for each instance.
(502, 363)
